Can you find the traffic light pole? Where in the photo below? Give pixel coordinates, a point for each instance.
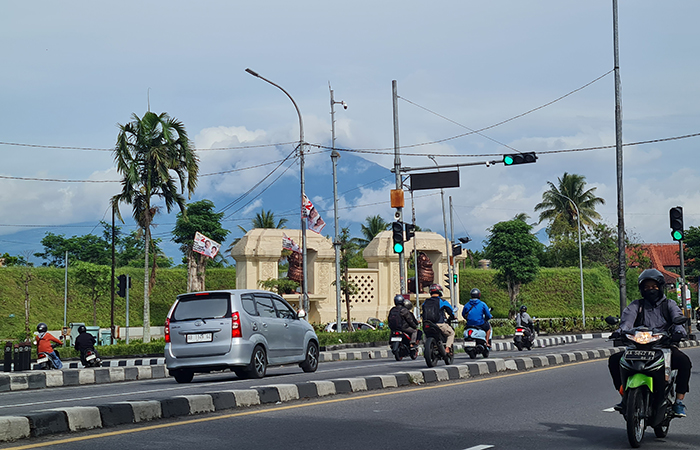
(128, 284)
(399, 184)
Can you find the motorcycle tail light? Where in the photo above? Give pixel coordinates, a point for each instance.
(519, 329)
(644, 337)
(469, 333)
(167, 330)
(235, 325)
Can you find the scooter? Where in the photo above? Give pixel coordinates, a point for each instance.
(648, 381)
(91, 358)
(45, 362)
(475, 342)
(401, 345)
(523, 337)
(434, 347)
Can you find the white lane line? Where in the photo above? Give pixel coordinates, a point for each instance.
(479, 447)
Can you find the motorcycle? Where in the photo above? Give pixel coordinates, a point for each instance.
(401, 345)
(434, 346)
(523, 337)
(91, 358)
(648, 381)
(475, 342)
(45, 362)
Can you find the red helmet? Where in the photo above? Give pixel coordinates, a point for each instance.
(435, 288)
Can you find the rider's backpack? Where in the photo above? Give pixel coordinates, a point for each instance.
(395, 321)
(431, 310)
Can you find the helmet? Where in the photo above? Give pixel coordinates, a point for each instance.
(435, 288)
(82, 329)
(398, 300)
(523, 308)
(651, 274)
(42, 328)
(407, 304)
(475, 293)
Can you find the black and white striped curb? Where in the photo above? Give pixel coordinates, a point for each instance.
(79, 418)
(118, 363)
(18, 381)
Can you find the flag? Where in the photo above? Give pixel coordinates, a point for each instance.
(288, 244)
(314, 222)
(205, 246)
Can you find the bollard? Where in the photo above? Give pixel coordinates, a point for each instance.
(26, 352)
(15, 361)
(7, 366)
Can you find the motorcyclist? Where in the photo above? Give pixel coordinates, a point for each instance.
(523, 319)
(407, 323)
(657, 312)
(84, 342)
(477, 314)
(444, 308)
(43, 340)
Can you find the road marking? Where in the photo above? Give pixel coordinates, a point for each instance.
(274, 409)
(609, 410)
(479, 447)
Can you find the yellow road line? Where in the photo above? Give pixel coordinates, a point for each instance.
(296, 406)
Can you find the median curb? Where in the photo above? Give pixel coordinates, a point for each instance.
(74, 419)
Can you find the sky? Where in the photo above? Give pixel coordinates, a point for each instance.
(72, 72)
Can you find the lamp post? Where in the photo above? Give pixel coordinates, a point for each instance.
(580, 257)
(336, 243)
(304, 285)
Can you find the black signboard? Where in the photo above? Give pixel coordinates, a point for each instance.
(434, 180)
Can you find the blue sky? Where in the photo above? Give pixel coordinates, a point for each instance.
(73, 71)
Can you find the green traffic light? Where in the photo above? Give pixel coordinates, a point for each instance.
(398, 247)
(507, 160)
(454, 278)
(677, 235)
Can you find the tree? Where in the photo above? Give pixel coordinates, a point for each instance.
(513, 250)
(88, 248)
(555, 206)
(6, 261)
(148, 151)
(199, 217)
(375, 225)
(96, 279)
(691, 251)
(263, 219)
(348, 247)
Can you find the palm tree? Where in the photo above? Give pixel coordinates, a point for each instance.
(556, 207)
(148, 151)
(263, 219)
(375, 225)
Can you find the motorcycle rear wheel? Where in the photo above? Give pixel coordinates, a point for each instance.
(471, 353)
(396, 350)
(432, 353)
(413, 353)
(519, 346)
(637, 400)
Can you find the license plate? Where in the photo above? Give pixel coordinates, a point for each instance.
(42, 360)
(200, 337)
(396, 339)
(470, 344)
(90, 357)
(639, 355)
(518, 333)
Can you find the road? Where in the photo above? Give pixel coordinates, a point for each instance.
(22, 402)
(558, 407)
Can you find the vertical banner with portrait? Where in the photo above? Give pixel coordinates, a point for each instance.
(314, 222)
(205, 246)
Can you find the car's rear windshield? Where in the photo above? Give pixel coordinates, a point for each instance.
(208, 306)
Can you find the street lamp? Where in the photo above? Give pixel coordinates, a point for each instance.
(336, 243)
(580, 257)
(304, 286)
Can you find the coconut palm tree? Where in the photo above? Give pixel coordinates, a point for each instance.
(149, 151)
(375, 225)
(556, 207)
(266, 219)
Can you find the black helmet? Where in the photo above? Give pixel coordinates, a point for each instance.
(82, 329)
(42, 328)
(475, 293)
(651, 274)
(407, 304)
(398, 300)
(523, 308)
(435, 288)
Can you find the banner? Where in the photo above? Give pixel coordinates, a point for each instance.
(288, 244)
(205, 246)
(314, 222)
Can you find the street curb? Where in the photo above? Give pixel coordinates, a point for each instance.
(64, 420)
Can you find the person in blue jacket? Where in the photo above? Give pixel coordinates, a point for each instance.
(477, 314)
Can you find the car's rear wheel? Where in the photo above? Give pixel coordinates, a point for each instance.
(183, 376)
(258, 363)
(310, 364)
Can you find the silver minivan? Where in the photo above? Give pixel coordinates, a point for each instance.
(243, 330)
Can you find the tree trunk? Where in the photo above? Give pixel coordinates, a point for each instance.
(196, 271)
(347, 302)
(513, 291)
(146, 288)
(94, 307)
(26, 278)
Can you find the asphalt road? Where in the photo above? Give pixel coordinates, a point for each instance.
(558, 407)
(22, 402)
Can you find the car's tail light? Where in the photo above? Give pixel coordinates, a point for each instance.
(167, 329)
(235, 325)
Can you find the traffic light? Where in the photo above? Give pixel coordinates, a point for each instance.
(519, 158)
(410, 231)
(676, 216)
(121, 285)
(454, 278)
(456, 249)
(447, 280)
(397, 235)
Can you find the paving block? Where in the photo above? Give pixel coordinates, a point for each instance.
(223, 400)
(246, 397)
(13, 428)
(114, 414)
(146, 410)
(201, 403)
(175, 406)
(43, 423)
(86, 376)
(82, 417)
(324, 387)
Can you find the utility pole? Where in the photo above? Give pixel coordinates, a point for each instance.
(397, 172)
(336, 242)
(111, 339)
(415, 258)
(618, 152)
(455, 289)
